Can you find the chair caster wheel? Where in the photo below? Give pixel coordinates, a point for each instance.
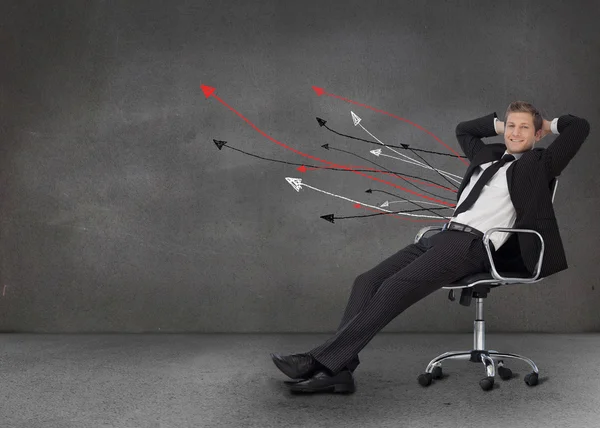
(487, 383)
(425, 379)
(505, 374)
(437, 372)
(531, 379)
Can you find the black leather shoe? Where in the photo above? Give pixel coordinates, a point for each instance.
(295, 366)
(343, 383)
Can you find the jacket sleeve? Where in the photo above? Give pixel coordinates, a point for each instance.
(573, 131)
(470, 133)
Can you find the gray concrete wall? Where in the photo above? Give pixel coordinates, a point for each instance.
(118, 212)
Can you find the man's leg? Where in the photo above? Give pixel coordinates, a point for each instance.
(452, 255)
(366, 284)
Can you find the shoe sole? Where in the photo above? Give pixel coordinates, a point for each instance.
(339, 388)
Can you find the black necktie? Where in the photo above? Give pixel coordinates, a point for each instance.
(485, 177)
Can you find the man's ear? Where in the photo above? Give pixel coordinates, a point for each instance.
(538, 135)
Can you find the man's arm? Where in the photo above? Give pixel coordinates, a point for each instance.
(470, 133)
(572, 132)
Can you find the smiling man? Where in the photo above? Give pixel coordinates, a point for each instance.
(524, 127)
(492, 202)
(506, 185)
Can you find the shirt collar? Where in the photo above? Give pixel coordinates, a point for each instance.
(516, 155)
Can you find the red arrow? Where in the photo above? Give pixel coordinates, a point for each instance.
(321, 91)
(209, 91)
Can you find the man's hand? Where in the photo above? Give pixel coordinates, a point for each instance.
(546, 129)
(499, 127)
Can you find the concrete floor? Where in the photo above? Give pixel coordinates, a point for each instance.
(163, 380)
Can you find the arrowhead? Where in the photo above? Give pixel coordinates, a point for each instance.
(369, 191)
(328, 217)
(404, 145)
(220, 144)
(325, 146)
(208, 91)
(301, 168)
(385, 204)
(319, 91)
(321, 121)
(376, 152)
(355, 118)
(296, 183)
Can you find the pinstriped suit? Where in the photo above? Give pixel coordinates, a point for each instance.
(385, 291)
(528, 185)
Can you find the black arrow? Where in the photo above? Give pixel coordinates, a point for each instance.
(412, 202)
(322, 122)
(327, 147)
(328, 217)
(220, 144)
(406, 146)
(331, 217)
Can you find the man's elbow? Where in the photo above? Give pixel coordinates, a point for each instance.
(585, 127)
(460, 129)
(580, 126)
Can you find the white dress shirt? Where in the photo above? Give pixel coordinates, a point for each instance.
(493, 207)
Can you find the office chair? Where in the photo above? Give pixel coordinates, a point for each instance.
(478, 286)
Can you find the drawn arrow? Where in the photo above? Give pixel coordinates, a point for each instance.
(378, 152)
(209, 92)
(321, 91)
(297, 184)
(304, 167)
(357, 120)
(406, 146)
(386, 204)
(402, 176)
(331, 217)
(323, 123)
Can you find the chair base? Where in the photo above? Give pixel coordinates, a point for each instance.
(479, 355)
(434, 369)
(485, 357)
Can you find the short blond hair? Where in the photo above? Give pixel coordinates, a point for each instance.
(525, 107)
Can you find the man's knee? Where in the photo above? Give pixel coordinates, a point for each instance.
(364, 282)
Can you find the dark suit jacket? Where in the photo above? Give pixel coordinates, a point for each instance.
(529, 181)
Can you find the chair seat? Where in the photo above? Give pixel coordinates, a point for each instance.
(469, 279)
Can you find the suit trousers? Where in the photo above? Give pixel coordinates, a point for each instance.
(385, 291)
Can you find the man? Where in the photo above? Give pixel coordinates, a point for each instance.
(506, 185)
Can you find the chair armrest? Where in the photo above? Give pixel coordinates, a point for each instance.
(495, 274)
(424, 230)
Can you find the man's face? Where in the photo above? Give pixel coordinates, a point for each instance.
(519, 132)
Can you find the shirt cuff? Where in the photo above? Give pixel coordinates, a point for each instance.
(554, 126)
(496, 129)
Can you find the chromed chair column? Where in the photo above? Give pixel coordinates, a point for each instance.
(479, 327)
(478, 345)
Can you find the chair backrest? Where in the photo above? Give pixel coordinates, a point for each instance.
(509, 253)
(553, 186)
